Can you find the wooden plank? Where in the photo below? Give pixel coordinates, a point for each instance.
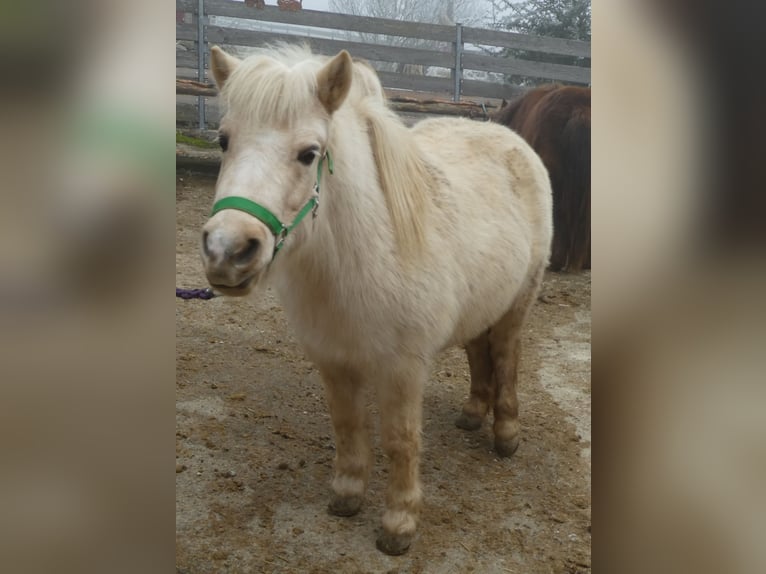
(186, 73)
(376, 52)
(317, 19)
(191, 74)
(548, 45)
(186, 46)
(187, 6)
(390, 80)
(398, 103)
(186, 99)
(186, 32)
(478, 89)
(186, 113)
(526, 68)
(437, 107)
(415, 83)
(186, 59)
(194, 88)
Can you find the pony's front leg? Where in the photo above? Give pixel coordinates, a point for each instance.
(400, 394)
(353, 455)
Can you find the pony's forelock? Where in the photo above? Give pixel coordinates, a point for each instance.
(273, 86)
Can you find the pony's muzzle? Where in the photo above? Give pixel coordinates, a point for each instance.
(234, 252)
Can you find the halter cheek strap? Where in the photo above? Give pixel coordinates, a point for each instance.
(278, 229)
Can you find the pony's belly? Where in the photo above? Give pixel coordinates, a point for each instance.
(478, 319)
(483, 303)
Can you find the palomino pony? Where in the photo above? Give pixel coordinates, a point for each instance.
(555, 121)
(419, 239)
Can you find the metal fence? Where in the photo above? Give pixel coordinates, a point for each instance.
(447, 61)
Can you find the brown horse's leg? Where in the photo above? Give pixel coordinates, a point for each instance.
(353, 456)
(505, 347)
(482, 385)
(400, 394)
(562, 230)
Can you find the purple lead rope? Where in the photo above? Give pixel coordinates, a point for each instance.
(194, 293)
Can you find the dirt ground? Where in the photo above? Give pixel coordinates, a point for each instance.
(254, 444)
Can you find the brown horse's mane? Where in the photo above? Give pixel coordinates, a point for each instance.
(522, 106)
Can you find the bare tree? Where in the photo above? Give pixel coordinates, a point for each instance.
(469, 12)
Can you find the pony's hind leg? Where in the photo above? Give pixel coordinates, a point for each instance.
(400, 395)
(353, 455)
(505, 348)
(482, 395)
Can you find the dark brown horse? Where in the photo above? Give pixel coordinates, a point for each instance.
(555, 121)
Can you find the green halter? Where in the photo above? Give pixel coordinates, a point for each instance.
(279, 229)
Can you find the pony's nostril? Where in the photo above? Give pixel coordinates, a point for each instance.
(246, 254)
(205, 248)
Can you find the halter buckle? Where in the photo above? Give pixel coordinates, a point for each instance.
(280, 239)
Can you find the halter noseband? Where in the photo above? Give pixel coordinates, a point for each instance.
(279, 229)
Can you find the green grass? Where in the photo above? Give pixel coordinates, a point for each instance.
(196, 142)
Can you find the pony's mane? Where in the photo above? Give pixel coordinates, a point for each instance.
(513, 114)
(405, 177)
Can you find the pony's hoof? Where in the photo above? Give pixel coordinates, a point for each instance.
(506, 447)
(394, 544)
(345, 505)
(469, 422)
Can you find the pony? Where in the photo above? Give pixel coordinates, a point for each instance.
(385, 244)
(555, 121)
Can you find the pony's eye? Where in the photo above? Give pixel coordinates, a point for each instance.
(223, 139)
(307, 155)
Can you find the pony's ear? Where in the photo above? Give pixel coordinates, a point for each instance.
(334, 81)
(222, 65)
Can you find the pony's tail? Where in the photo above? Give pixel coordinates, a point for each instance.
(576, 172)
(403, 174)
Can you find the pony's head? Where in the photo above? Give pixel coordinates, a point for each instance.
(274, 135)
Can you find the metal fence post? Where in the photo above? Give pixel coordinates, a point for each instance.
(201, 59)
(458, 73)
